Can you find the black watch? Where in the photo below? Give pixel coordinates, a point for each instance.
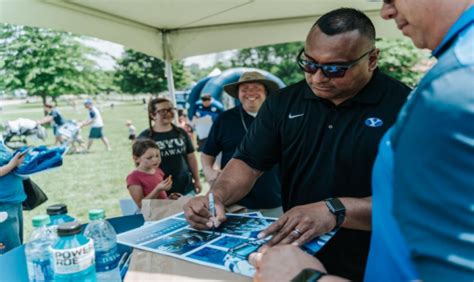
(336, 207)
(308, 275)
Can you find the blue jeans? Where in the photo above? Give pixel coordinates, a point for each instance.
(11, 228)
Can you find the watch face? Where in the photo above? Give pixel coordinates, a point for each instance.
(335, 205)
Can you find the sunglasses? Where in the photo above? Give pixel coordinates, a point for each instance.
(329, 71)
(165, 111)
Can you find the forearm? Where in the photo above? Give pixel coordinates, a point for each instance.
(235, 181)
(154, 194)
(194, 167)
(6, 169)
(207, 162)
(358, 213)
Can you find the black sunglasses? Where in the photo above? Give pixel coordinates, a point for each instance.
(329, 71)
(165, 111)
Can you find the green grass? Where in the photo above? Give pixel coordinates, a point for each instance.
(86, 181)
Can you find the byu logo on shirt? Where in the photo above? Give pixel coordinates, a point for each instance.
(373, 122)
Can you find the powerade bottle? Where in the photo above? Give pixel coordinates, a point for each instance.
(73, 255)
(58, 214)
(38, 259)
(105, 245)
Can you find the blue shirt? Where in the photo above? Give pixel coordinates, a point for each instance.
(423, 216)
(213, 110)
(226, 134)
(57, 117)
(11, 185)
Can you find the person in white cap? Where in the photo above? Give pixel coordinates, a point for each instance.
(97, 125)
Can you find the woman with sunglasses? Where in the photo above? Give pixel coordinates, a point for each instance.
(177, 150)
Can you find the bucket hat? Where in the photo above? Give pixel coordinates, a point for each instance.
(248, 77)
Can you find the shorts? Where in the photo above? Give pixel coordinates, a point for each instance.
(131, 137)
(95, 133)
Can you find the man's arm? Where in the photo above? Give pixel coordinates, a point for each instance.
(235, 181)
(195, 171)
(233, 184)
(315, 219)
(207, 162)
(46, 119)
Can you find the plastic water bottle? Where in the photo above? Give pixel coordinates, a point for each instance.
(58, 214)
(73, 255)
(105, 245)
(38, 259)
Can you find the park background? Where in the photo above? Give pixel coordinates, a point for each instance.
(39, 65)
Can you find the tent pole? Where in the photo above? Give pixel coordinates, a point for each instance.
(170, 80)
(169, 71)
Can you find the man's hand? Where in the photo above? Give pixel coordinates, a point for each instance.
(282, 263)
(300, 225)
(197, 213)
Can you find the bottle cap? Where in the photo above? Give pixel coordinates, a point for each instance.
(40, 220)
(96, 214)
(69, 228)
(57, 209)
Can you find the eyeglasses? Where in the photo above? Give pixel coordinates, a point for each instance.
(165, 111)
(329, 71)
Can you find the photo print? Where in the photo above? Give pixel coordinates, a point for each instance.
(181, 242)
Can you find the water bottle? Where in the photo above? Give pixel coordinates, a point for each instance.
(38, 259)
(105, 245)
(73, 255)
(58, 214)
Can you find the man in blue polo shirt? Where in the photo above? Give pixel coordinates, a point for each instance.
(422, 217)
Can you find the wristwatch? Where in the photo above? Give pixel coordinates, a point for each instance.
(308, 275)
(336, 207)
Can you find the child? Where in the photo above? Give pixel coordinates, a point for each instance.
(132, 131)
(146, 181)
(12, 194)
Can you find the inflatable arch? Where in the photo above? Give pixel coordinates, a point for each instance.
(214, 85)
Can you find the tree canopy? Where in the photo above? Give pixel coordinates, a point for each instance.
(45, 63)
(139, 73)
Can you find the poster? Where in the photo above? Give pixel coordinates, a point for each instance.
(226, 247)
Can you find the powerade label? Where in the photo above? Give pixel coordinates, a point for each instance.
(105, 261)
(73, 260)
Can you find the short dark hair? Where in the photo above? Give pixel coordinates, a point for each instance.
(140, 146)
(344, 20)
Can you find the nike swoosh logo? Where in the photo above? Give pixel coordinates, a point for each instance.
(290, 116)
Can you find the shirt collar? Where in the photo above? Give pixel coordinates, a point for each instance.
(464, 20)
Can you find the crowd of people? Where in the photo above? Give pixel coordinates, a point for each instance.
(347, 149)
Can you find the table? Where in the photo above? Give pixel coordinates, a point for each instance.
(13, 263)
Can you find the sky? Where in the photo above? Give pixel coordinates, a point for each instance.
(113, 50)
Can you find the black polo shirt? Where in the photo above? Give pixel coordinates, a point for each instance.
(325, 151)
(225, 135)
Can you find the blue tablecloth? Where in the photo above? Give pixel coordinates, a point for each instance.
(13, 263)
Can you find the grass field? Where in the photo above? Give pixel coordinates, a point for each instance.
(86, 181)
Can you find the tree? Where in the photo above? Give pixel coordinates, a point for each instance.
(45, 63)
(279, 59)
(400, 59)
(140, 73)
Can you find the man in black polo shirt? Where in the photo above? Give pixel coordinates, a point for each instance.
(324, 133)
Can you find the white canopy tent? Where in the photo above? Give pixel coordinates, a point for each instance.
(176, 29)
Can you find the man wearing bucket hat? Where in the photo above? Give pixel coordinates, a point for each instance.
(227, 132)
(324, 132)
